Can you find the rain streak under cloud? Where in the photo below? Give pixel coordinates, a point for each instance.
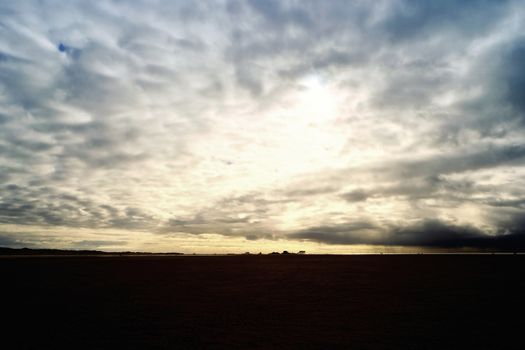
(231, 126)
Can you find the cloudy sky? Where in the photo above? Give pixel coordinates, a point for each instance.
(232, 126)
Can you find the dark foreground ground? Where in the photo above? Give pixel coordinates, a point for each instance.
(263, 302)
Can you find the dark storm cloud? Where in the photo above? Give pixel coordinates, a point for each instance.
(434, 233)
(429, 233)
(351, 233)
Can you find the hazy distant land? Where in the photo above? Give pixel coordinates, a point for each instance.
(47, 252)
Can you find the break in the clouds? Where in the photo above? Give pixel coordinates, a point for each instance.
(250, 125)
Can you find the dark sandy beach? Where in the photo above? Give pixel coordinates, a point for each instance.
(264, 302)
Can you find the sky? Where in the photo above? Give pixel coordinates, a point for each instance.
(233, 126)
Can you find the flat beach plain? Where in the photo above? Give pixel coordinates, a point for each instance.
(264, 302)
